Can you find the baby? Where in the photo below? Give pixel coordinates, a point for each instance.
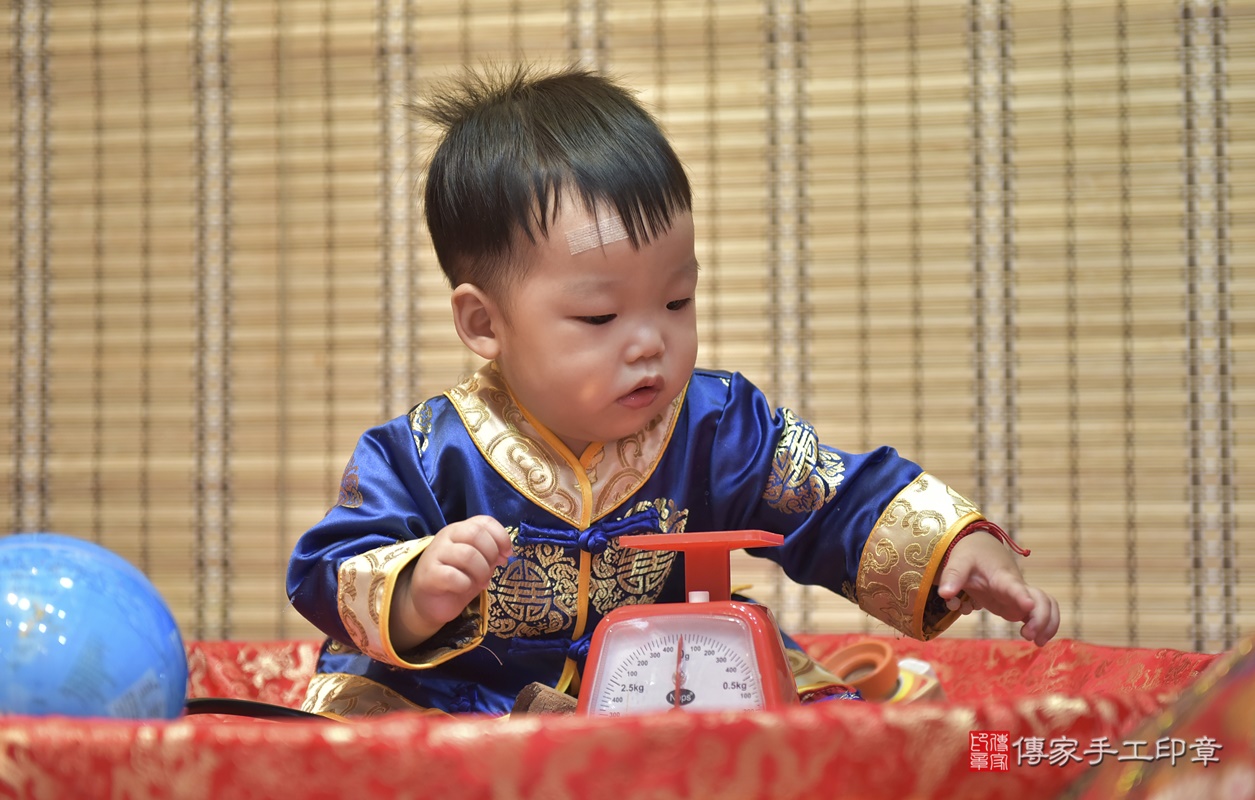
(477, 540)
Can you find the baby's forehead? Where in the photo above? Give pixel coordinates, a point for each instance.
(595, 233)
(577, 225)
(573, 225)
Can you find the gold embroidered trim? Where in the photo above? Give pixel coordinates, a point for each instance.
(541, 591)
(420, 426)
(522, 452)
(352, 696)
(804, 475)
(623, 575)
(536, 593)
(366, 584)
(902, 556)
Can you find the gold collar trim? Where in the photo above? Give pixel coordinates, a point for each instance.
(580, 490)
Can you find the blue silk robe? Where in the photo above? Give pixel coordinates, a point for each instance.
(871, 526)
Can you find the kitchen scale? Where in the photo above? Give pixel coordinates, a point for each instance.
(711, 653)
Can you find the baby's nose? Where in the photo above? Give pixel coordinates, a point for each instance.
(647, 342)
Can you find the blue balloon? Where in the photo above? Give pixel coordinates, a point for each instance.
(83, 633)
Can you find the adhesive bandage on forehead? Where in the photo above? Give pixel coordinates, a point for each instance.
(596, 234)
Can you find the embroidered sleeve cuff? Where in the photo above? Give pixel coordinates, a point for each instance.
(366, 584)
(903, 556)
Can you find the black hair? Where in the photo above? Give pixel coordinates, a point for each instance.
(515, 141)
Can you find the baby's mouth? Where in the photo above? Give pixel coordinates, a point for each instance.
(641, 396)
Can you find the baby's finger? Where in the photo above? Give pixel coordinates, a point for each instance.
(471, 562)
(953, 580)
(488, 537)
(1043, 622)
(450, 579)
(1051, 626)
(1011, 598)
(500, 537)
(961, 603)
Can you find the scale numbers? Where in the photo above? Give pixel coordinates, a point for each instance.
(716, 673)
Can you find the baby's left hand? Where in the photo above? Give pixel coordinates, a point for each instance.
(985, 569)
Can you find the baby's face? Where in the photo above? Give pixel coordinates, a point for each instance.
(599, 341)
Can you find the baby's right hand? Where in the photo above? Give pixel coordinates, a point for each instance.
(450, 573)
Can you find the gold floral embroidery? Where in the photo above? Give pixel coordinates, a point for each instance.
(633, 446)
(350, 489)
(962, 506)
(366, 583)
(849, 592)
(341, 695)
(536, 593)
(625, 576)
(879, 557)
(804, 474)
(420, 425)
(521, 454)
(471, 406)
(903, 554)
(619, 485)
(348, 601)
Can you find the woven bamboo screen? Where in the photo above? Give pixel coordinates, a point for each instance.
(1006, 237)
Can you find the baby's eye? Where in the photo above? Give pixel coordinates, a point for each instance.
(676, 305)
(600, 319)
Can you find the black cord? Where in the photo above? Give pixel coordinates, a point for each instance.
(247, 708)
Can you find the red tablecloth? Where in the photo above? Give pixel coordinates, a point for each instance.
(1065, 692)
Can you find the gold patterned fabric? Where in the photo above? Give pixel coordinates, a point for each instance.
(540, 590)
(353, 697)
(350, 494)
(903, 555)
(805, 475)
(366, 585)
(534, 462)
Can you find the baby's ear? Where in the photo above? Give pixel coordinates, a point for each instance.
(478, 320)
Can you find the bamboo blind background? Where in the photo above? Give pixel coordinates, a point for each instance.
(1006, 237)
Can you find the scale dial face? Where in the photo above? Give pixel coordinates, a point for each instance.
(708, 658)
